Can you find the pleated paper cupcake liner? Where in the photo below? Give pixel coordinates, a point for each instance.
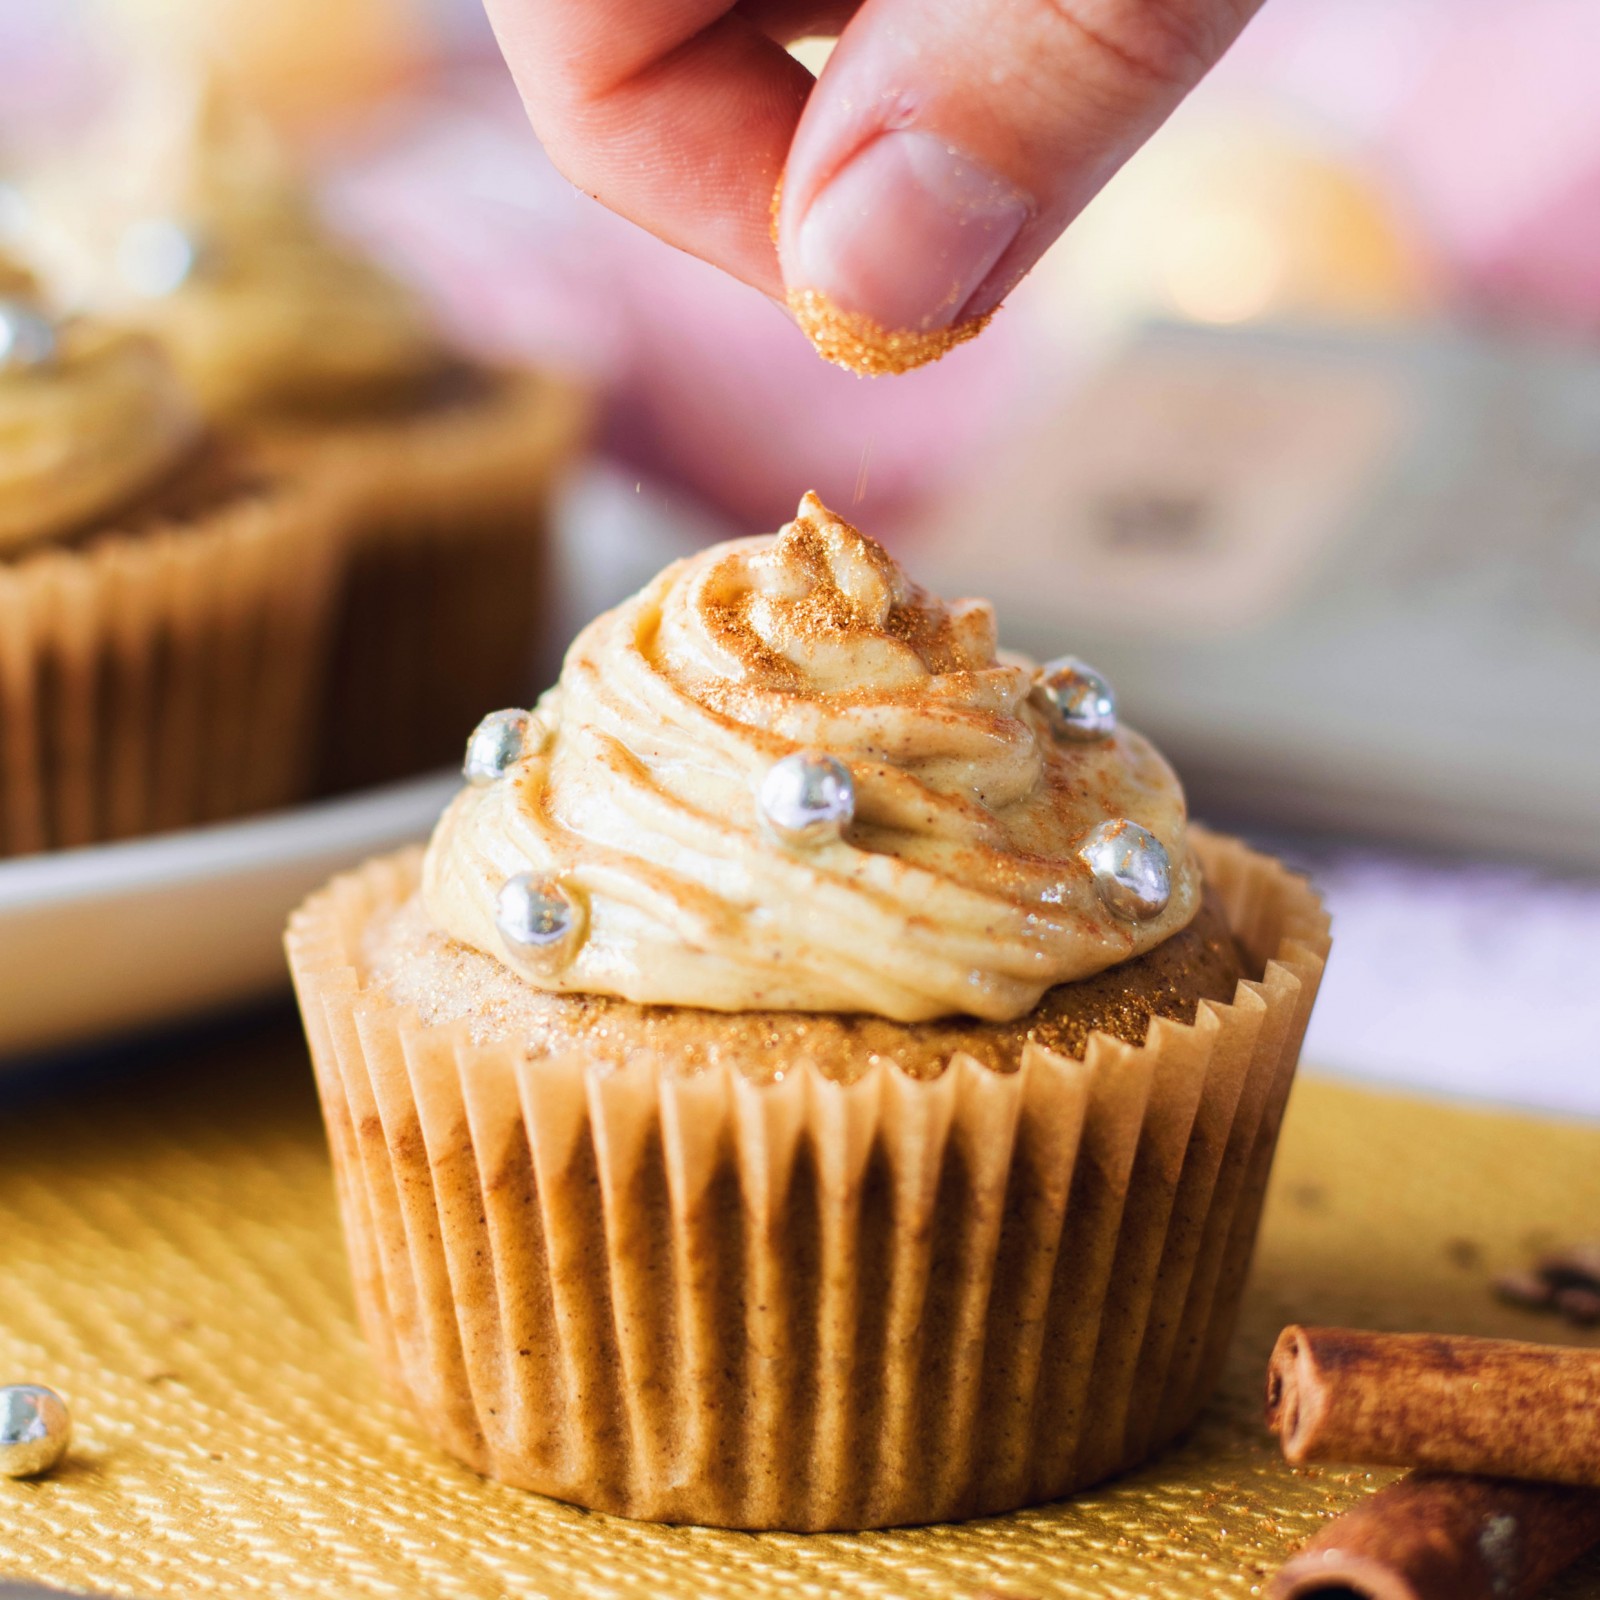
(802, 1304)
(445, 522)
(165, 678)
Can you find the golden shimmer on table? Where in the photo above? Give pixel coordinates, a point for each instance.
(172, 1263)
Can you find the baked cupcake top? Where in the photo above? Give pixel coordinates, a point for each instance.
(90, 418)
(784, 777)
(195, 226)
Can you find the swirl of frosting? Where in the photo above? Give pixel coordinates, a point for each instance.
(86, 431)
(957, 888)
(200, 232)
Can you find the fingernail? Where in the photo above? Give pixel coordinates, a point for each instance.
(905, 232)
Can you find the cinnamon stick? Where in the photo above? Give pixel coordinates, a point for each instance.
(1436, 1537)
(1495, 1407)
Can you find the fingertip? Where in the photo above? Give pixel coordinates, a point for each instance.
(945, 147)
(904, 232)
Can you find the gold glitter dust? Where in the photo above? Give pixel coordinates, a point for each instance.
(857, 343)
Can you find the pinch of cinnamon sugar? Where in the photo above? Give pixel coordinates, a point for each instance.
(857, 343)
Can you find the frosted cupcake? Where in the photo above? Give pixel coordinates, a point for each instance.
(815, 1077)
(164, 599)
(199, 231)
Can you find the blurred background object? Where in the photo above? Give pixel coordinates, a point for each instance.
(305, 63)
(1238, 217)
(1347, 582)
(1300, 423)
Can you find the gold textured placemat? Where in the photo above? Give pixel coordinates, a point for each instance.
(170, 1260)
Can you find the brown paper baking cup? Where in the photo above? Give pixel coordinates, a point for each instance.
(166, 678)
(445, 519)
(805, 1305)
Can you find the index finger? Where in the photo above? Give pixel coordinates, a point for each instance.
(677, 114)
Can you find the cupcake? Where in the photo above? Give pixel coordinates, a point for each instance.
(815, 1077)
(164, 598)
(200, 232)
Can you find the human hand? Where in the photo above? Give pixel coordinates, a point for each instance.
(945, 146)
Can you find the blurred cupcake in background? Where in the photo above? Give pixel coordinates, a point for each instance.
(165, 596)
(186, 217)
(193, 224)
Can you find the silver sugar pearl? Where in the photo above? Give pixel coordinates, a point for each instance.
(808, 798)
(496, 746)
(156, 256)
(536, 913)
(27, 336)
(35, 1429)
(1077, 700)
(1131, 869)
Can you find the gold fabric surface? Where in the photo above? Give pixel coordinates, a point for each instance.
(171, 1262)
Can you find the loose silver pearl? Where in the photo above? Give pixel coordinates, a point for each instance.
(1076, 699)
(156, 256)
(496, 746)
(35, 1429)
(536, 913)
(27, 337)
(808, 799)
(1131, 869)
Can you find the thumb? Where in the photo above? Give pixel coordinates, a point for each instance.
(948, 143)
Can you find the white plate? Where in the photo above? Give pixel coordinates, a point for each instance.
(118, 937)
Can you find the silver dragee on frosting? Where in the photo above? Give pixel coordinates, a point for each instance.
(956, 888)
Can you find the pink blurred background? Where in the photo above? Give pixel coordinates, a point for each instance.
(1410, 160)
